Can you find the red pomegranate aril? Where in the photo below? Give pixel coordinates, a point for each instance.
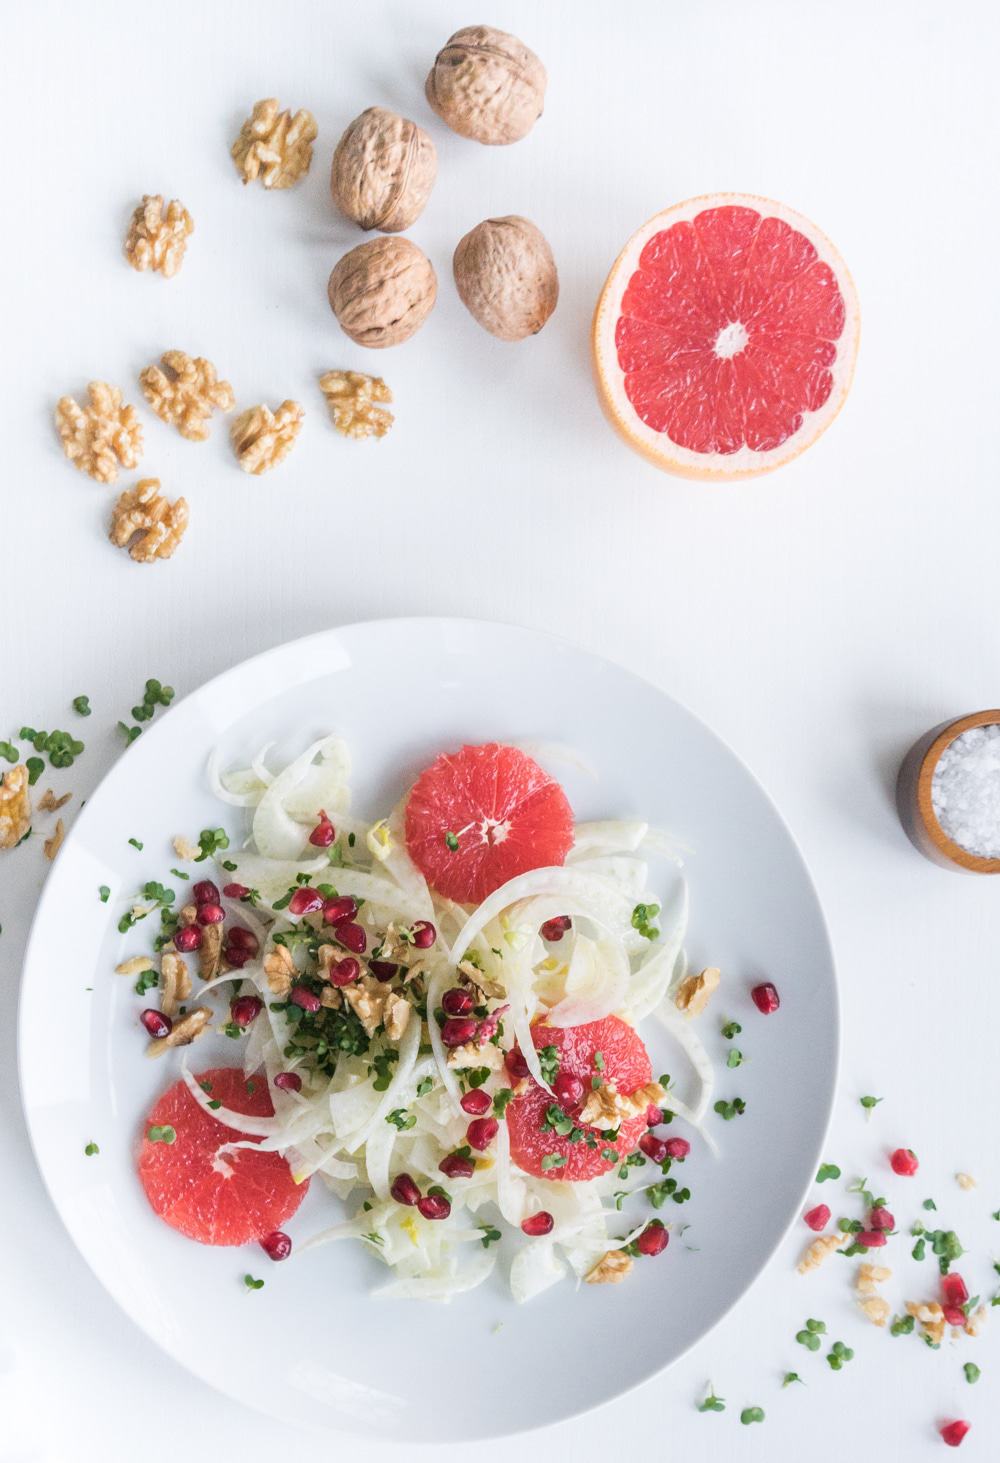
(481, 1132)
(404, 1190)
(765, 997)
(188, 938)
(554, 929)
(678, 1148)
(458, 1030)
(952, 1433)
(477, 1102)
(240, 938)
(568, 1089)
(881, 1218)
(540, 1223)
(954, 1315)
(423, 934)
(434, 1206)
(288, 1081)
(904, 1162)
(870, 1239)
(205, 892)
(305, 901)
(211, 914)
(277, 1245)
(654, 1115)
(323, 834)
(156, 1023)
(301, 995)
(235, 891)
(383, 970)
(490, 1024)
(351, 936)
(339, 909)
(817, 1218)
(653, 1147)
(235, 958)
(343, 972)
(456, 1002)
(954, 1289)
(457, 1166)
(245, 1009)
(653, 1240)
(515, 1064)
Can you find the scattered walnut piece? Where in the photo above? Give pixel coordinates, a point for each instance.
(157, 239)
(183, 1032)
(15, 806)
(965, 1181)
(135, 965)
(610, 1269)
(210, 952)
(53, 843)
(102, 435)
(931, 1318)
(818, 1251)
(279, 968)
(606, 1107)
(184, 848)
(184, 391)
(262, 438)
(145, 523)
(695, 991)
(49, 803)
(375, 1005)
(352, 397)
(474, 1055)
(274, 146)
(397, 1015)
(876, 1309)
(869, 1277)
(330, 997)
(175, 982)
(975, 1323)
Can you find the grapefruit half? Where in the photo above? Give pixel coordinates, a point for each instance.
(725, 337)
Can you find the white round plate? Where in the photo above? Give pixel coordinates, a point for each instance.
(313, 1345)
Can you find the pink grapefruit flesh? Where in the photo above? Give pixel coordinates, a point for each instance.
(227, 1200)
(725, 337)
(483, 815)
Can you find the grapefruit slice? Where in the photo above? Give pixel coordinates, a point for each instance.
(483, 815)
(626, 1063)
(725, 337)
(226, 1200)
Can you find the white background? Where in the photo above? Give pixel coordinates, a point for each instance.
(819, 619)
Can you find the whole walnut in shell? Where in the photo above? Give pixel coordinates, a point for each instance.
(382, 291)
(383, 171)
(487, 85)
(506, 276)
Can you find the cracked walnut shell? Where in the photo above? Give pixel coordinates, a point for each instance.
(487, 85)
(184, 390)
(382, 291)
(263, 438)
(383, 171)
(144, 522)
(101, 436)
(353, 400)
(15, 806)
(156, 239)
(274, 146)
(506, 276)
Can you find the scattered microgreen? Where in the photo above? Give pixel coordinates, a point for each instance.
(870, 1103)
(129, 732)
(252, 1283)
(234, 1031)
(476, 1076)
(972, 1372)
(642, 920)
(424, 1086)
(210, 841)
(382, 1065)
(147, 980)
(827, 1171)
(751, 1414)
(91, 1148)
(104, 893)
(902, 1326)
(490, 1235)
(137, 844)
(9, 751)
(735, 1057)
(548, 1057)
(401, 1119)
(35, 767)
(553, 1160)
(451, 841)
(791, 1377)
(810, 1334)
(711, 1403)
(729, 1110)
(928, 1204)
(838, 1354)
(81, 705)
(161, 1133)
(502, 1099)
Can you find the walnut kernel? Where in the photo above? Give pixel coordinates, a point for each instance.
(695, 991)
(182, 1033)
(49, 803)
(175, 982)
(15, 806)
(53, 843)
(145, 523)
(101, 435)
(279, 968)
(263, 438)
(352, 398)
(382, 291)
(487, 85)
(506, 276)
(184, 390)
(610, 1269)
(818, 1251)
(606, 1107)
(274, 146)
(158, 240)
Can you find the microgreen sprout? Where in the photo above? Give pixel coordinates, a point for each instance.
(729, 1110)
(735, 1057)
(711, 1403)
(731, 1030)
(81, 705)
(751, 1414)
(827, 1171)
(490, 1235)
(870, 1103)
(838, 1355)
(161, 1133)
(791, 1377)
(252, 1283)
(642, 920)
(91, 1148)
(972, 1372)
(810, 1334)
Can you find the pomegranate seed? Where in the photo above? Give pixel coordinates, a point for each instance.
(242, 939)
(404, 1190)
(305, 901)
(155, 1022)
(481, 1132)
(434, 1206)
(457, 1166)
(653, 1147)
(881, 1218)
(954, 1315)
(568, 1089)
(337, 910)
(456, 1002)
(188, 937)
(678, 1148)
(235, 958)
(654, 1115)
(211, 914)
(953, 1432)
(554, 929)
(515, 1063)
(489, 1024)
(765, 997)
(653, 1240)
(235, 891)
(383, 970)
(342, 972)
(457, 1031)
(301, 995)
(205, 892)
(540, 1223)
(476, 1102)
(871, 1239)
(423, 934)
(352, 937)
(324, 833)
(818, 1218)
(277, 1245)
(288, 1081)
(245, 1009)
(954, 1289)
(904, 1162)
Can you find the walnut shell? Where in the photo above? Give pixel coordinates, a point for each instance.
(383, 171)
(506, 276)
(382, 291)
(487, 85)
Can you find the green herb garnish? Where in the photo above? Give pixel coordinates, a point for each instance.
(161, 1133)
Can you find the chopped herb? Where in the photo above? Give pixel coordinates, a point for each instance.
(214, 1103)
(104, 893)
(424, 1086)
(129, 732)
(827, 1171)
(919, 1249)
(502, 1099)
(161, 1133)
(252, 1284)
(751, 1414)
(996, 1215)
(91, 1148)
(382, 1065)
(928, 1204)
(233, 1031)
(137, 844)
(476, 1076)
(178, 875)
(9, 751)
(599, 1061)
(553, 1160)
(548, 1057)
(35, 767)
(401, 1119)
(81, 705)
(870, 1103)
(972, 1372)
(902, 1326)
(230, 867)
(147, 980)
(735, 1057)
(791, 1377)
(731, 1029)
(729, 1110)
(490, 1235)
(451, 841)
(810, 1334)
(711, 1403)
(642, 920)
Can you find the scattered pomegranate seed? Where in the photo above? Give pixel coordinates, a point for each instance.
(155, 1022)
(205, 892)
(654, 1115)
(383, 970)
(235, 891)
(324, 833)
(301, 995)
(240, 938)
(653, 1147)
(871, 1239)
(954, 1289)
(678, 1148)
(489, 1024)
(954, 1315)
(277, 1245)
(245, 1009)
(515, 1063)
(351, 936)
(404, 1190)
(288, 1081)
(457, 1166)
(881, 1218)
(476, 1102)
(434, 1206)
(953, 1432)
(653, 1240)
(423, 934)
(568, 1089)
(305, 901)
(765, 997)
(342, 972)
(235, 958)
(481, 1132)
(457, 1031)
(817, 1218)
(904, 1162)
(456, 1002)
(335, 911)
(540, 1223)
(554, 929)
(211, 914)
(187, 938)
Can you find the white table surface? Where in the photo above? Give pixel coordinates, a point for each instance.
(819, 619)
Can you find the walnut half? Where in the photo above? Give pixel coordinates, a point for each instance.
(352, 398)
(157, 239)
(274, 146)
(146, 524)
(184, 390)
(263, 438)
(610, 1269)
(695, 992)
(101, 436)
(182, 1033)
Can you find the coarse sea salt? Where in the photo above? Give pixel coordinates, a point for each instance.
(965, 790)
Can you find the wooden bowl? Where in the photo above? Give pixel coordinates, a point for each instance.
(913, 797)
